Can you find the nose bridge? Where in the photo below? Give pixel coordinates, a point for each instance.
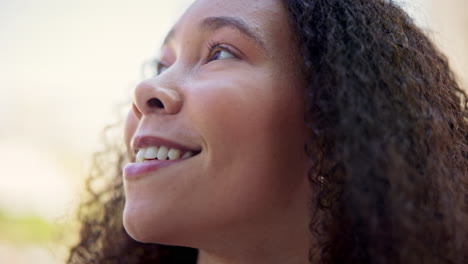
(155, 96)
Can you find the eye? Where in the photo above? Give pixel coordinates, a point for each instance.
(220, 52)
(221, 55)
(160, 68)
(153, 68)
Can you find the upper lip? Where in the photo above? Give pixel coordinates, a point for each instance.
(140, 142)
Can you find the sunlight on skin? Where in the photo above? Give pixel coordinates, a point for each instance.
(63, 62)
(67, 64)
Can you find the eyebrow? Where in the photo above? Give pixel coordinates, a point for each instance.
(213, 24)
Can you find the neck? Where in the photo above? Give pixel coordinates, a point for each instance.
(284, 239)
(290, 256)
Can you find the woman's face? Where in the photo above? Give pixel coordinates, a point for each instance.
(230, 91)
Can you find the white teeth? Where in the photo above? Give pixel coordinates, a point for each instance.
(151, 153)
(140, 155)
(187, 155)
(162, 153)
(173, 154)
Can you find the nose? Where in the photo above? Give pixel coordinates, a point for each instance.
(151, 97)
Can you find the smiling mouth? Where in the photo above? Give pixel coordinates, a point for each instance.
(149, 160)
(162, 153)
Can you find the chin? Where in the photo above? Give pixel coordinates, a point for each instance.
(146, 228)
(135, 227)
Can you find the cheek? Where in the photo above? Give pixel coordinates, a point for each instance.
(231, 111)
(255, 134)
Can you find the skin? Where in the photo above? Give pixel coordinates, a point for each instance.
(243, 199)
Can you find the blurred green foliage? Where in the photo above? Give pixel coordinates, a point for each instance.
(25, 229)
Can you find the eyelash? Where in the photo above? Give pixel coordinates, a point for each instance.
(213, 47)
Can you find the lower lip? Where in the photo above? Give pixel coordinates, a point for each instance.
(134, 171)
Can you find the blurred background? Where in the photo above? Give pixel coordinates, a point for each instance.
(67, 69)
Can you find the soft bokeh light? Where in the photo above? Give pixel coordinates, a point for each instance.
(66, 67)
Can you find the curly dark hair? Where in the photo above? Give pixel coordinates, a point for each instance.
(388, 140)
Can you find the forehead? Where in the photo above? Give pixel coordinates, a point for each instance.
(238, 7)
(265, 18)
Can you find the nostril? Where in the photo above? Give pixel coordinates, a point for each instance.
(155, 102)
